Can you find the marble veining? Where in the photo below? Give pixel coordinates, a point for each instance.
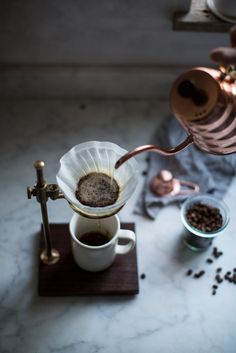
(172, 313)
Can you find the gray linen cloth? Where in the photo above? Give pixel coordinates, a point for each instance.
(213, 173)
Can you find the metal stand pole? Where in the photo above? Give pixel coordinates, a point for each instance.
(42, 191)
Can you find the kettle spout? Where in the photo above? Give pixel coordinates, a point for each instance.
(154, 148)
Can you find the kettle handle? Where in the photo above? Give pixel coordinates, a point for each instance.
(228, 72)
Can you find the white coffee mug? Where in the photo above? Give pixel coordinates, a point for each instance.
(98, 258)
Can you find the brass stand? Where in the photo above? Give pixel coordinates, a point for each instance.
(42, 191)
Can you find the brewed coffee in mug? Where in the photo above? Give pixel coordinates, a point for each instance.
(95, 243)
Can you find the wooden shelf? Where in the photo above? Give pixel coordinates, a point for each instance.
(199, 19)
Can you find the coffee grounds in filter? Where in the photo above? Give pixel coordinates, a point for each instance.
(97, 190)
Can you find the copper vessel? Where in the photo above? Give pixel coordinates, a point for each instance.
(164, 184)
(203, 101)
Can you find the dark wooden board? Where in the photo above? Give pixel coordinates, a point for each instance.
(65, 278)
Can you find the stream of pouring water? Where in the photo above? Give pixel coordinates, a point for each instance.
(111, 173)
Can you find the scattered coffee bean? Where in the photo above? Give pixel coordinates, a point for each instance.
(230, 276)
(143, 276)
(189, 272)
(199, 274)
(218, 279)
(216, 253)
(204, 217)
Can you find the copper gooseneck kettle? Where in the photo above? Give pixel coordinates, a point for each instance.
(204, 102)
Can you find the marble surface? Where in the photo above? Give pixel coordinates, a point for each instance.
(172, 313)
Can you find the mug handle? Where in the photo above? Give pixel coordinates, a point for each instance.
(125, 234)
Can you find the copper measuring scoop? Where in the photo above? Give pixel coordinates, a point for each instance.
(164, 184)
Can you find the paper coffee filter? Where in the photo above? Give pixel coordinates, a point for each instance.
(96, 156)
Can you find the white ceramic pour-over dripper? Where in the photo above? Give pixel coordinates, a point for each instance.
(96, 156)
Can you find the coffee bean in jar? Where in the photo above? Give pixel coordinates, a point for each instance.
(204, 217)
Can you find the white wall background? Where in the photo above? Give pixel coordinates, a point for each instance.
(60, 47)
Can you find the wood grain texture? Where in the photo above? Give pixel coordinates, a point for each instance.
(199, 19)
(65, 278)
